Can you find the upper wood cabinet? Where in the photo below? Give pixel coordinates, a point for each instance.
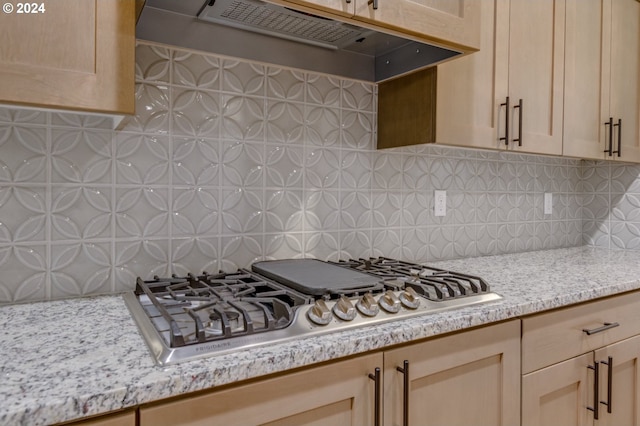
(521, 59)
(602, 80)
(76, 55)
(443, 22)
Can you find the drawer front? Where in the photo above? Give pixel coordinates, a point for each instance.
(559, 335)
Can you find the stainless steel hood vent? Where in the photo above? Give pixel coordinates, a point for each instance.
(265, 32)
(282, 22)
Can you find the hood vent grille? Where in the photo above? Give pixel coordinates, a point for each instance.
(281, 22)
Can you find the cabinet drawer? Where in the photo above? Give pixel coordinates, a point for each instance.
(556, 336)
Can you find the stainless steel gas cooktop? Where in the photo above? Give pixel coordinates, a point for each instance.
(184, 318)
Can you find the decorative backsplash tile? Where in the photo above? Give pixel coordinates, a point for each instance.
(227, 162)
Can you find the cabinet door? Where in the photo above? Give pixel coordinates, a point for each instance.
(339, 7)
(625, 75)
(121, 419)
(625, 390)
(559, 394)
(470, 378)
(536, 73)
(587, 76)
(457, 22)
(72, 54)
(471, 89)
(340, 393)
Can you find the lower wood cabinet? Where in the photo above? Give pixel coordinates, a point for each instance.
(599, 383)
(126, 418)
(339, 393)
(478, 370)
(566, 393)
(470, 378)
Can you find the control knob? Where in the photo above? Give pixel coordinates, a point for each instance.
(389, 302)
(319, 313)
(344, 309)
(409, 298)
(368, 306)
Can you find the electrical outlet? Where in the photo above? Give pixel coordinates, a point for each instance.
(548, 203)
(440, 203)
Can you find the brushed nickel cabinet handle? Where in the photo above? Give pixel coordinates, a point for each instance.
(609, 364)
(376, 379)
(619, 126)
(405, 392)
(506, 122)
(596, 385)
(375, 4)
(606, 326)
(610, 124)
(519, 138)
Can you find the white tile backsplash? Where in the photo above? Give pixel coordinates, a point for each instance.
(228, 162)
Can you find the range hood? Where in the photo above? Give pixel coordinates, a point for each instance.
(266, 32)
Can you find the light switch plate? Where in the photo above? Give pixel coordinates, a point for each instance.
(440, 203)
(548, 203)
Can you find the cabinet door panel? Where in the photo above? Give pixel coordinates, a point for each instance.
(625, 74)
(480, 367)
(76, 55)
(339, 7)
(438, 20)
(471, 89)
(558, 395)
(625, 395)
(338, 393)
(587, 75)
(536, 71)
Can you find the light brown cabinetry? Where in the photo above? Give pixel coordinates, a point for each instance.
(454, 24)
(481, 367)
(127, 418)
(477, 370)
(602, 80)
(72, 54)
(521, 59)
(340, 393)
(562, 351)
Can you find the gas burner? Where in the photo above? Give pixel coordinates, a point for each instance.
(431, 283)
(198, 309)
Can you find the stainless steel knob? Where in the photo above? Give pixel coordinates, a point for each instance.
(344, 309)
(368, 306)
(409, 298)
(319, 313)
(389, 302)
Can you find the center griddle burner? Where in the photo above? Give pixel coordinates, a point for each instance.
(431, 283)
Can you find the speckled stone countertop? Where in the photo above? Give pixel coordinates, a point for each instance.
(69, 359)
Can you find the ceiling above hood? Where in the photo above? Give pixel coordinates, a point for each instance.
(266, 32)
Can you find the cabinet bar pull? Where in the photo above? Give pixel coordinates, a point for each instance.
(619, 126)
(606, 326)
(519, 138)
(506, 122)
(376, 379)
(405, 392)
(609, 364)
(375, 4)
(596, 385)
(610, 124)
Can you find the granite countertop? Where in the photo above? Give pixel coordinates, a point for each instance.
(68, 359)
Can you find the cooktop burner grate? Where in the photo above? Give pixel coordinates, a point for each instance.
(431, 283)
(197, 309)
